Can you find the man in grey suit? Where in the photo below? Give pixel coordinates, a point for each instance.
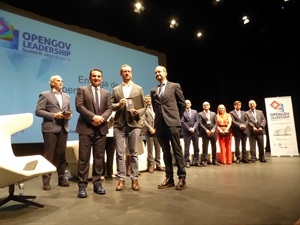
(149, 131)
(190, 133)
(127, 126)
(207, 128)
(240, 121)
(93, 104)
(55, 108)
(256, 126)
(169, 105)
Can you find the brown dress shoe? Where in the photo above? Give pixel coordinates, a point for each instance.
(135, 185)
(151, 169)
(121, 185)
(46, 187)
(181, 184)
(168, 182)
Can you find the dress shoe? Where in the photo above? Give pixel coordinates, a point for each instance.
(82, 193)
(160, 168)
(253, 160)
(46, 187)
(151, 169)
(204, 163)
(187, 165)
(63, 183)
(168, 182)
(263, 160)
(197, 164)
(135, 185)
(245, 161)
(121, 185)
(98, 189)
(238, 161)
(181, 184)
(216, 163)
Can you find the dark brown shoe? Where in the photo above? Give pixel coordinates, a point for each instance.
(181, 184)
(168, 182)
(121, 185)
(63, 183)
(46, 187)
(135, 185)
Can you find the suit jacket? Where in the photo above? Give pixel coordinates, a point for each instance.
(261, 120)
(237, 122)
(170, 106)
(188, 121)
(123, 116)
(148, 122)
(47, 105)
(204, 125)
(85, 106)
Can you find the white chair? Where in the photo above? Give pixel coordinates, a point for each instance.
(17, 169)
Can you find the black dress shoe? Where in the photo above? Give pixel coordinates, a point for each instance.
(245, 161)
(181, 184)
(253, 160)
(98, 189)
(82, 193)
(168, 182)
(216, 163)
(238, 161)
(204, 163)
(263, 160)
(187, 165)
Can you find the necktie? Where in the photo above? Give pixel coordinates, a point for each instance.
(189, 112)
(239, 114)
(160, 89)
(97, 105)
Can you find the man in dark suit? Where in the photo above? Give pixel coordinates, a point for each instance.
(93, 104)
(169, 105)
(257, 124)
(55, 108)
(127, 126)
(240, 122)
(149, 131)
(207, 128)
(190, 133)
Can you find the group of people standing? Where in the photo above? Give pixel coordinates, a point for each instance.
(221, 127)
(95, 106)
(166, 116)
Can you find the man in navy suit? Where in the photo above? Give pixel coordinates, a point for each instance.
(93, 104)
(240, 121)
(190, 133)
(127, 126)
(256, 126)
(169, 105)
(55, 108)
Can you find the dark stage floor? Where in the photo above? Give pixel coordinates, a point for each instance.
(256, 194)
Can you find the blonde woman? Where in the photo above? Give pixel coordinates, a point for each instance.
(224, 134)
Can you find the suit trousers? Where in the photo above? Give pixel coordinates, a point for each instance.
(88, 143)
(54, 152)
(165, 135)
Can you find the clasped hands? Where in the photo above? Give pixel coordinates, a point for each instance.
(97, 120)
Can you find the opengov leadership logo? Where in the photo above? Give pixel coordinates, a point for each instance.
(277, 106)
(9, 37)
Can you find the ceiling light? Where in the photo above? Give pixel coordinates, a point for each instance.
(138, 7)
(173, 24)
(245, 19)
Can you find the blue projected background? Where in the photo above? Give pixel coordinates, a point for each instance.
(32, 51)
